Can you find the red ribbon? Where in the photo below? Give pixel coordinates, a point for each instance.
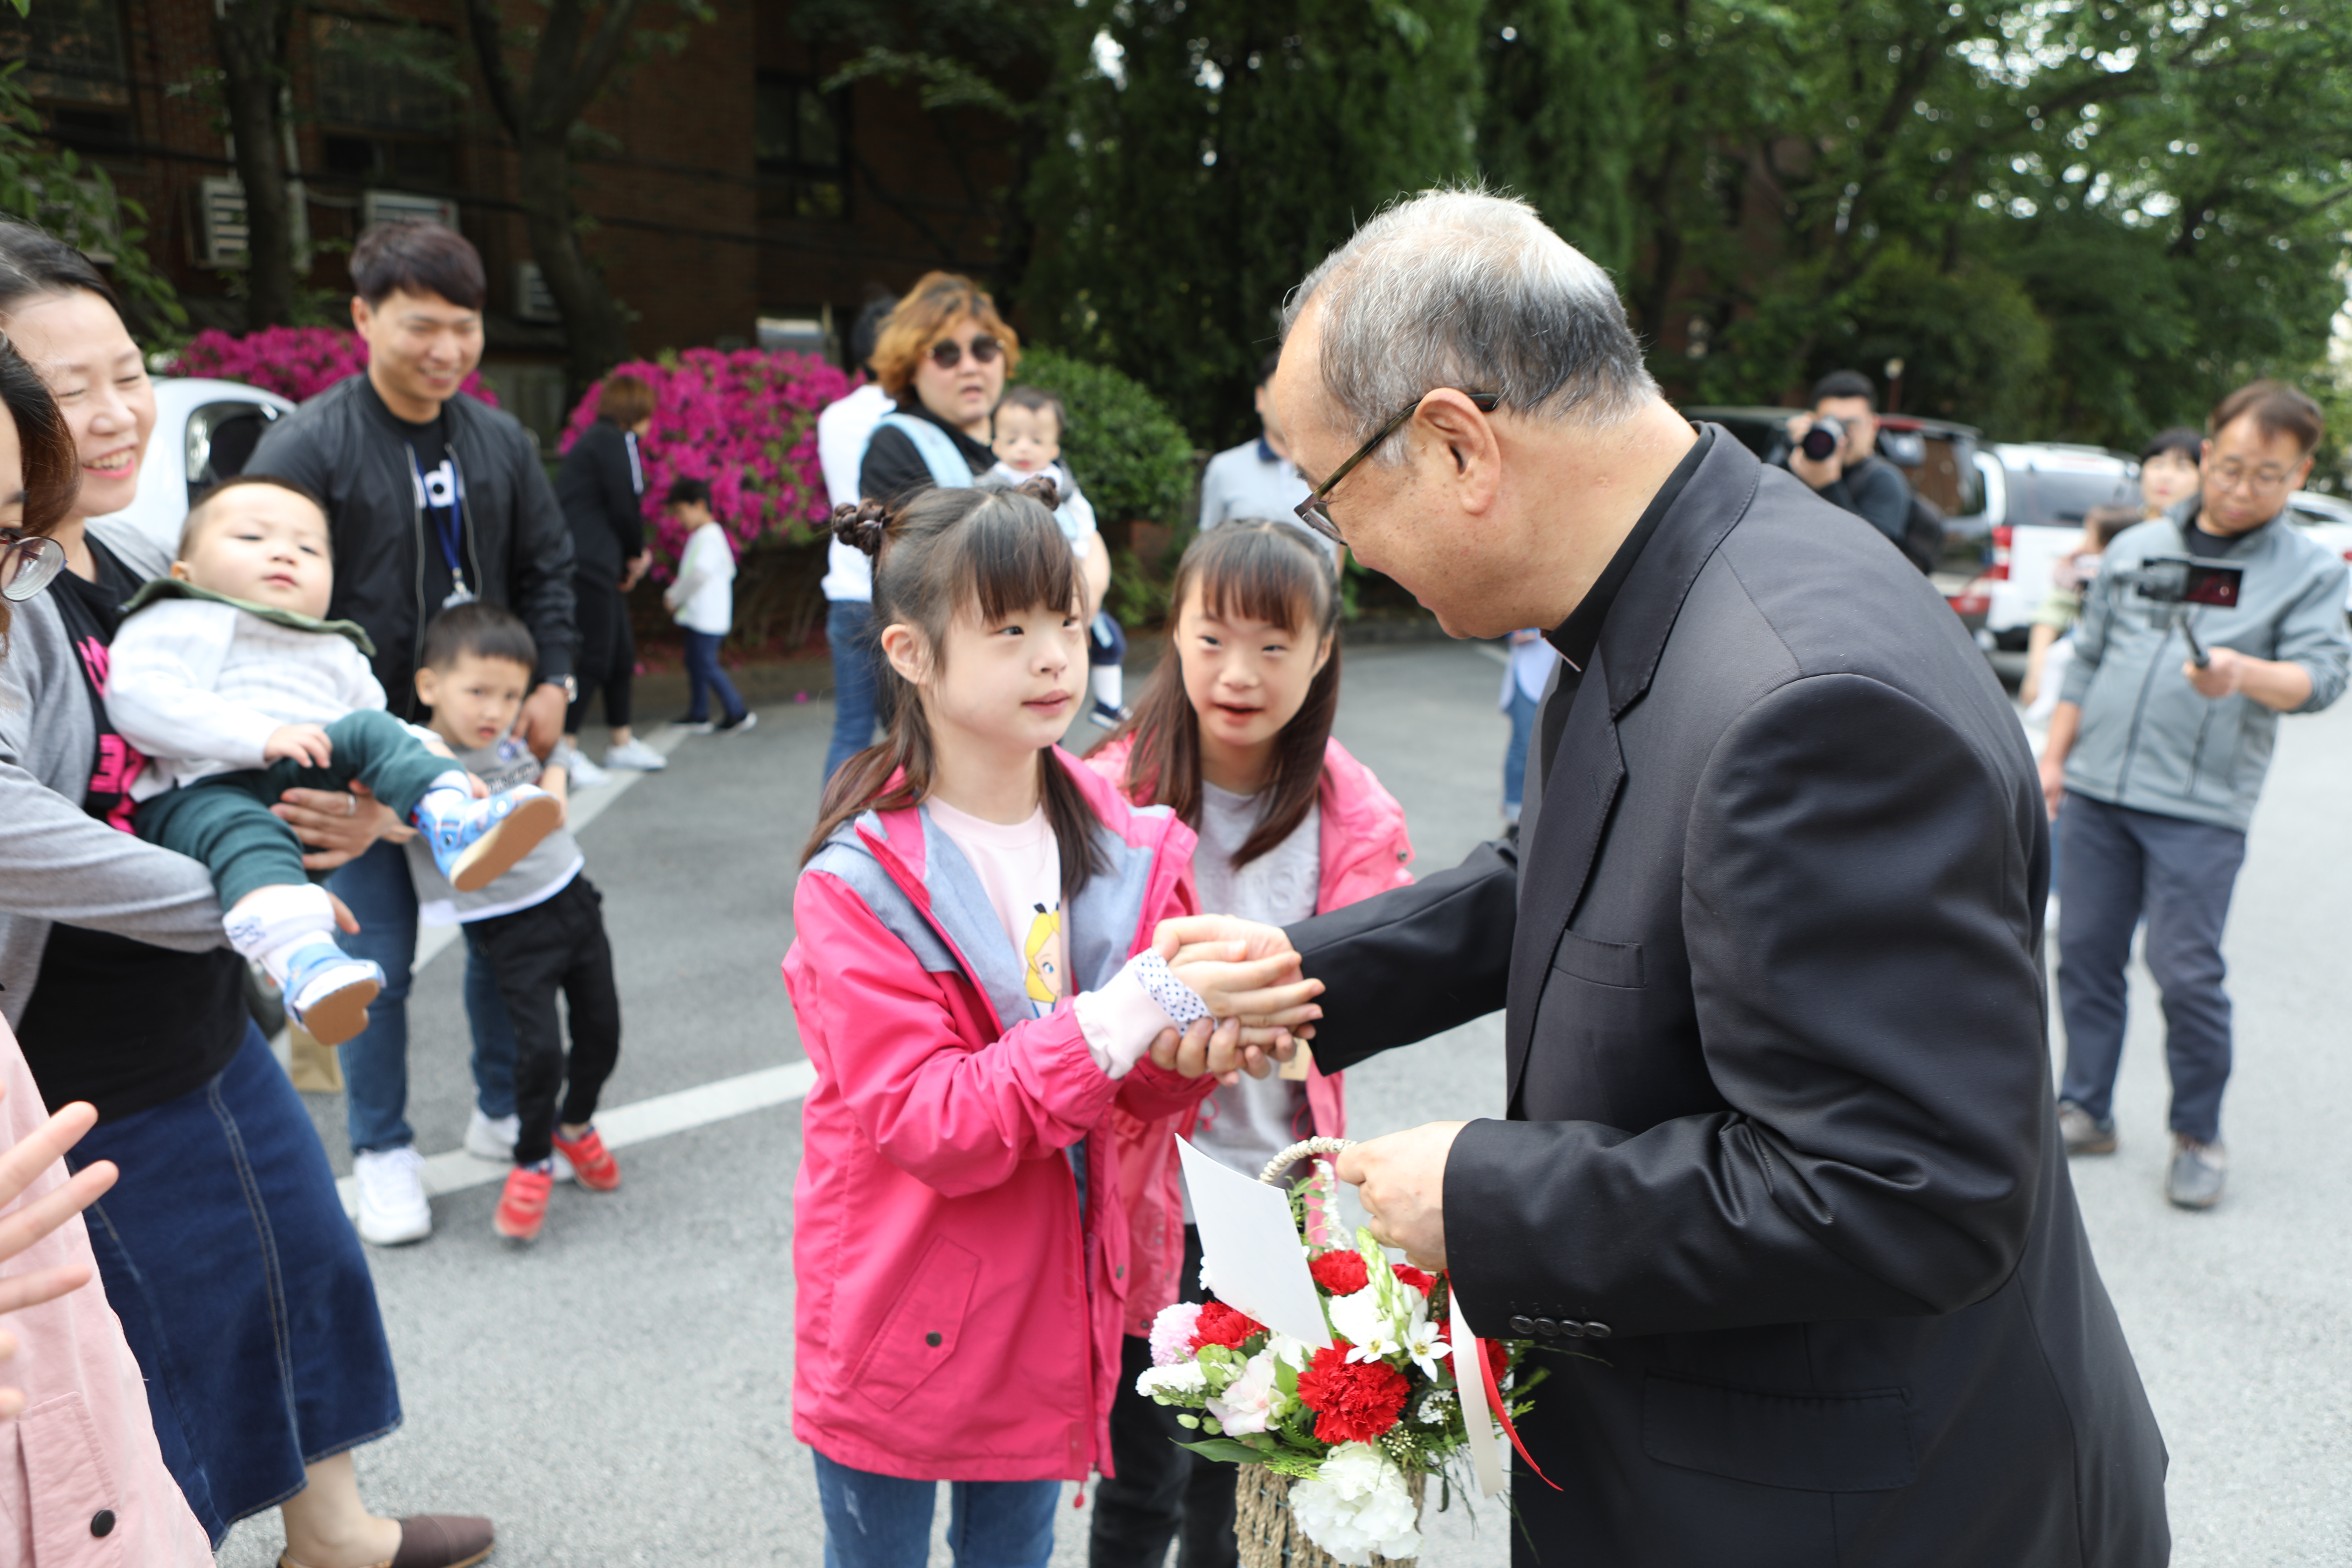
(1503, 1412)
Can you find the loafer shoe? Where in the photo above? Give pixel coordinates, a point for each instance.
(444, 1541)
(2198, 1171)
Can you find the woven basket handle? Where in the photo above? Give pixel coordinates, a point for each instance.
(1299, 1151)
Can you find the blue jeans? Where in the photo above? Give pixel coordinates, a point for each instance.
(2121, 865)
(849, 633)
(1523, 712)
(375, 1060)
(703, 676)
(241, 1289)
(882, 1521)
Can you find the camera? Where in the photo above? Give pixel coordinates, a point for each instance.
(1822, 440)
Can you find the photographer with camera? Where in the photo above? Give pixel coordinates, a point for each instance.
(1834, 449)
(2202, 629)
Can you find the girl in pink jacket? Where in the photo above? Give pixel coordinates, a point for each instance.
(975, 983)
(1235, 735)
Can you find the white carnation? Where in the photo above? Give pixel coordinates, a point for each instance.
(1358, 1504)
(1186, 1383)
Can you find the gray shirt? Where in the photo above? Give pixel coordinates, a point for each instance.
(63, 863)
(533, 879)
(1247, 483)
(1245, 1124)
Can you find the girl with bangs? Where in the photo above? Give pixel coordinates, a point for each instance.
(975, 981)
(1233, 736)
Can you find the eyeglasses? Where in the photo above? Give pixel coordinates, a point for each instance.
(949, 354)
(2257, 481)
(1315, 512)
(28, 563)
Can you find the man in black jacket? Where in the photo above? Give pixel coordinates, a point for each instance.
(1854, 477)
(432, 500)
(1781, 1164)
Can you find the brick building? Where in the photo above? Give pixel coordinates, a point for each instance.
(733, 200)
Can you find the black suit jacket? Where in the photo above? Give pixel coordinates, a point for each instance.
(1781, 1164)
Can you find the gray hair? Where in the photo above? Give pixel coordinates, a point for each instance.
(1461, 289)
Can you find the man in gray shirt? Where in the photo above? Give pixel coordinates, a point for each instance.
(2155, 761)
(1256, 479)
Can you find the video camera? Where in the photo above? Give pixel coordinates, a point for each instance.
(2180, 582)
(1825, 436)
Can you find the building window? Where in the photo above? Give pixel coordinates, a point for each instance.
(387, 102)
(76, 68)
(800, 137)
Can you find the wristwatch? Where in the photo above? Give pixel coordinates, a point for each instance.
(570, 684)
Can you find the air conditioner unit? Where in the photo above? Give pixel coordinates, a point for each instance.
(532, 301)
(394, 207)
(221, 234)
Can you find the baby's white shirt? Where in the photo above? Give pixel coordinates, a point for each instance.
(200, 686)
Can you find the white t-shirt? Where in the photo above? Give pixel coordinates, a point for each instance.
(1019, 866)
(843, 430)
(707, 574)
(1242, 1125)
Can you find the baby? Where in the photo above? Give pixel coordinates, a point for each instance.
(1026, 437)
(227, 676)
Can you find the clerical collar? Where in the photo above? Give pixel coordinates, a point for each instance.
(1577, 635)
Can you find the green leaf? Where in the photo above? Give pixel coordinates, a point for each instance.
(1226, 1450)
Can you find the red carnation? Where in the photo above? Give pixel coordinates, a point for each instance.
(1221, 1325)
(1341, 1273)
(1414, 1277)
(1353, 1402)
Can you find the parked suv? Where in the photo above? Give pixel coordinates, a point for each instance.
(205, 432)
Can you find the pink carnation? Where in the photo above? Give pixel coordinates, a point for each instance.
(1171, 1333)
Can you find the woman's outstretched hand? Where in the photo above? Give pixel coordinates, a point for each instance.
(19, 1168)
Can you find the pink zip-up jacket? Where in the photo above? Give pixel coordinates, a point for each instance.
(83, 1452)
(955, 1320)
(1362, 851)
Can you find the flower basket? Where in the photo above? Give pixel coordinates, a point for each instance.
(1269, 1534)
(1336, 1444)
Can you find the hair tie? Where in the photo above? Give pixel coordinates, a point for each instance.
(863, 527)
(1041, 489)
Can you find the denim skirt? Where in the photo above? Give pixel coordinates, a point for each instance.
(241, 1287)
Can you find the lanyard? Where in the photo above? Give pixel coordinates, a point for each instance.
(448, 523)
(636, 471)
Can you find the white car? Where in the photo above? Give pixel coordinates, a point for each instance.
(2328, 520)
(204, 431)
(2035, 496)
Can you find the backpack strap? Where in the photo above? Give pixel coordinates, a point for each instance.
(936, 447)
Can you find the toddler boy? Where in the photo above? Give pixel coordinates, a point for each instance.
(227, 676)
(1027, 440)
(540, 928)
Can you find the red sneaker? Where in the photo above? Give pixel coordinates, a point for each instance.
(591, 1163)
(522, 1207)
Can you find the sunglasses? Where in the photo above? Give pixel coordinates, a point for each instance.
(950, 355)
(28, 563)
(1315, 512)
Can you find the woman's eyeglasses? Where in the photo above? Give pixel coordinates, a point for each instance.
(949, 354)
(28, 563)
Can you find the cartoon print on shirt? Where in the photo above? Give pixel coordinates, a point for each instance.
(1044, 951)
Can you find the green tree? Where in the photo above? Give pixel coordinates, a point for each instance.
(74, 200)
(1560, 109)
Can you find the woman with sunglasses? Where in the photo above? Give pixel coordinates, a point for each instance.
(223, 1247)
(942, 357)
(62, 1353)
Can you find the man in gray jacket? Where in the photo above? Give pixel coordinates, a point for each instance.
(2158, 763)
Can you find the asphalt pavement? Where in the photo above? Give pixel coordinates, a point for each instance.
(619, 1392)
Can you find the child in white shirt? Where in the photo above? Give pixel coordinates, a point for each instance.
(703, 600)
(1026, 437)
(228, 678)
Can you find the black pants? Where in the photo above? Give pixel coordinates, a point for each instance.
(608, 652)
(1162, 1493)
(557, 945)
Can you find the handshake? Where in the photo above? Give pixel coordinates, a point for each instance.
(1260, 1005)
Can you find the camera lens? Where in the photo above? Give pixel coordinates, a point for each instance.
(1824, 439)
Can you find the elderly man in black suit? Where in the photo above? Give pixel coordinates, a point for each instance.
(1781, 1161)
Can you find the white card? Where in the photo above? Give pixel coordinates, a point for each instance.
(1478, 1414)
(1256, 1263)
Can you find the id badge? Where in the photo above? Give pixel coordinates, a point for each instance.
(460, 595)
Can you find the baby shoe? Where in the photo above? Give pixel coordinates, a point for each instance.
(476, 841)
(522, 1206)
(328, 991)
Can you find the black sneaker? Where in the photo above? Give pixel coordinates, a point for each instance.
(2194, 1181)
(2085, 1134)
(738, 724)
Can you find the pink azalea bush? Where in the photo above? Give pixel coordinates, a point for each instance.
(745, 423)
(293, 361)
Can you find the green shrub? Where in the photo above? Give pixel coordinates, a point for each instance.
(1127, 452)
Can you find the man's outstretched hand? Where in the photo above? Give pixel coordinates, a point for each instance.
(1401, 1180)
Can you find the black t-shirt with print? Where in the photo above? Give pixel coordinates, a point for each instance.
(447, 556)
(118, 1023)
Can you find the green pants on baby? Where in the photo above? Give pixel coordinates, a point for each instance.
(224, 821)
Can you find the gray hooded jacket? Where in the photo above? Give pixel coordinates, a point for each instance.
(2149, 739)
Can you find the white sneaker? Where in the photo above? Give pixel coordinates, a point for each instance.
(492, 1140)
(391, 1196)
(585, 774)
(636, 755)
